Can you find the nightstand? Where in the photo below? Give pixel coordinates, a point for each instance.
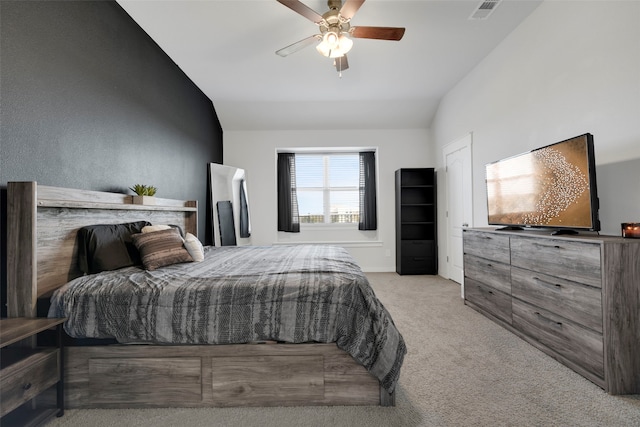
(27, 372)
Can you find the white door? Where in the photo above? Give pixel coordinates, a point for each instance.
(459, 203)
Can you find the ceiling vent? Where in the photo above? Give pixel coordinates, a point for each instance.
(484, 9)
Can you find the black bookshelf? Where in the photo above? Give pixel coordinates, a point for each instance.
(416, 237)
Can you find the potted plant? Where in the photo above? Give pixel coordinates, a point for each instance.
(145, 194)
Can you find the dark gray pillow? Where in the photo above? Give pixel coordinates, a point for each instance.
(104, 247)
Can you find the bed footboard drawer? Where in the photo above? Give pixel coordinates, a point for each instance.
(271, 380)
(148, 381)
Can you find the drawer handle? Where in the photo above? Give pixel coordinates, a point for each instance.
(26, 386)
(548, 320)
(556, 285)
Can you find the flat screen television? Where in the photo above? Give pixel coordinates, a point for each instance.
(549, 187)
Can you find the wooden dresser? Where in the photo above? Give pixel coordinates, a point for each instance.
(576, 298)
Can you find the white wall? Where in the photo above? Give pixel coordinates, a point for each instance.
(571, 67)
(255, 152)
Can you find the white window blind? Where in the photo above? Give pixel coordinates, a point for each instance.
(327, 186)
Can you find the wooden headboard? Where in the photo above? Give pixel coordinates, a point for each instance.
(42, 223)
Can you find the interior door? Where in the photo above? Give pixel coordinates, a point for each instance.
(459, 203)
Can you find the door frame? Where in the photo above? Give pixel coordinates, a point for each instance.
(452, 147)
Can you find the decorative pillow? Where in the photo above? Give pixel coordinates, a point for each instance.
(158, 227)
(152, 228)
(161, 248)
(194, 247)
(108, 246)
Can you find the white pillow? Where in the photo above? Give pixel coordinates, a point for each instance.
(194, 247)
(152, 228)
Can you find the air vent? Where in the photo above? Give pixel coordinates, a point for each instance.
(484, 9)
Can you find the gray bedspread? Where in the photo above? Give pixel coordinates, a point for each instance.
(243, 294)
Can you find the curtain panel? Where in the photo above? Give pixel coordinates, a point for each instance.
(368, 207)
(288, 217)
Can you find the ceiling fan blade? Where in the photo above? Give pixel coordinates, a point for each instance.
(302, 9)
(350, 7)
(341, 63)
(292, 48)
(379, 33)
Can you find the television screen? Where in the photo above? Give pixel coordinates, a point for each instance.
(552, 186)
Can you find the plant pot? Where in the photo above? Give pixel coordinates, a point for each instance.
(144, 200)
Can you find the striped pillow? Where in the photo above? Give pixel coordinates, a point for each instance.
(161, 248)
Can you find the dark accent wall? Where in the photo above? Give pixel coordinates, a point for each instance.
(89, 101)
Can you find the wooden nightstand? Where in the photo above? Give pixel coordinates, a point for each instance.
(26, 372)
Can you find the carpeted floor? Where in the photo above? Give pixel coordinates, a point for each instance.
(461, 370)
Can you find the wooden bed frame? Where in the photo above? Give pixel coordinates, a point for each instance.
(42, 256)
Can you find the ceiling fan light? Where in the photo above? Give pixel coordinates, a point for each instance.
(331, 39)
(345, 44)
(323, 49)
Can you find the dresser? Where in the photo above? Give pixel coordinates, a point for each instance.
(27, 371)
(576, 298)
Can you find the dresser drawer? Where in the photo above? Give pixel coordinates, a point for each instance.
(490, 300)
(28, 377)
(580, 345)
(573, 301)
(571, 260)
(418, 248)
(491, 246)
(489, 272)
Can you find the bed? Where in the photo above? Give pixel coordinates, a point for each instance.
(275, 364)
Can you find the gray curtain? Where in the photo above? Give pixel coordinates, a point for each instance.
(288, 217)
(368, 216)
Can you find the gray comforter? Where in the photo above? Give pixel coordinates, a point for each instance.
(243, 294)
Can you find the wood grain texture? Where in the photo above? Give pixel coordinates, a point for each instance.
(160, 381)
(494, 302)
(492, 246)
(25, 379)
(270, 380)
(621, 303)
(574, 301)
(43, 222)
(569, 339)
(572, 260)
(489, 272)
(230, 375)
(15, 329)
(577, 298)
(22, 285)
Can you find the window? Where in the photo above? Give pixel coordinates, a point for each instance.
(328, 188)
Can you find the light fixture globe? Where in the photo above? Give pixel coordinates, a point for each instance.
(334, 45)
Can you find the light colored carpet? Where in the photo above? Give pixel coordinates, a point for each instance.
(461, 370)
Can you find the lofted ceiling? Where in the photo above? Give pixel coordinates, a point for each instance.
(227, 47)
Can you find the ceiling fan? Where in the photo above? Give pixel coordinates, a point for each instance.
(336, 30)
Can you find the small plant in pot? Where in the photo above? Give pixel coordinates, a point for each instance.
(145, 194)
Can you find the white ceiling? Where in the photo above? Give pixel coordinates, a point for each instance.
(228, 49)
